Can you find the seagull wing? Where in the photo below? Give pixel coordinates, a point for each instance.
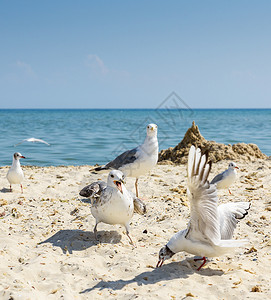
(139, 205)
(204, 221)
(20, 143)
(218, 177)
(125, 158)
(34, 140)
(229, 216)
(93, 190)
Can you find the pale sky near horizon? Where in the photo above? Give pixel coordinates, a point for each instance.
(133, 54)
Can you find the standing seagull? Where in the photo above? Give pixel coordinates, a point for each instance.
(112, 203)
(15, 174)
(225, 179)
(210, 228)
(139, 160)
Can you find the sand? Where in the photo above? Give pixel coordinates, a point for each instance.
(48, 250)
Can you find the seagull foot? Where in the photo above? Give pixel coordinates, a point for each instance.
(204, 262)
(130, 240)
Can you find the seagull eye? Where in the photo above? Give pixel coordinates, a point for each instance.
(112, 175)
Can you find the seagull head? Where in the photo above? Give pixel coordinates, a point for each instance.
(116, 179)
(233, 165)
(18, 155)
(164, 253)
(152, 130)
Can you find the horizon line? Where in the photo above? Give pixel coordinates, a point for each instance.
(222, 108)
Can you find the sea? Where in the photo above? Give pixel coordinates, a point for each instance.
(96, 136)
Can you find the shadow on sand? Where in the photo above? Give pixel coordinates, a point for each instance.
(78, 240)
(166, 272)
(5, 190)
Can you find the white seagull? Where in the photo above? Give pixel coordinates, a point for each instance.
(33, 140)
(15, 174)
(112, 203)
(210, 229)
(138, 161)
(225, 179)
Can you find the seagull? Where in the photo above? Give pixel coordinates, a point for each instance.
(15, 174)
(210, 229)
(139, 160)
(111, 202)
(225, 179)
(33, 140)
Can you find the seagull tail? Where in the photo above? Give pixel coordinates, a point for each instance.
(232, 243)
(98, 169)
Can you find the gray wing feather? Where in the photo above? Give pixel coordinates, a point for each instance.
(125, 158)
(93, 190)
(217, 178)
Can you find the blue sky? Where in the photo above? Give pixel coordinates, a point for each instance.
(133, 54)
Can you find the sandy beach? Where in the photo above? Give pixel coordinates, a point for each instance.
(48, 250)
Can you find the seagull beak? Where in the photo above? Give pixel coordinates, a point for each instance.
(236, 168)
(160, 263)
(22, 156)
(118, 184)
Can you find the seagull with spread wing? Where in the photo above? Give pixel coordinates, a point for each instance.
(210, 229)
(112, 203)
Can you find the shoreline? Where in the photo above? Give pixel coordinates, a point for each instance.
(160, 163)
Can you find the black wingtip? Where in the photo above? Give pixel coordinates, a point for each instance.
(206, 153)
(210, 162)
(85, 192)
(246, 213)
(98, 169)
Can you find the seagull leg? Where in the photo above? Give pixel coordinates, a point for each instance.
(10, 189)
(229, 191)
(22, 189)
(204, 262)
(127, 232)
(136, 187)
(95, 231)
(131, 241)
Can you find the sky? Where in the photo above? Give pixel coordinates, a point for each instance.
(134, 54)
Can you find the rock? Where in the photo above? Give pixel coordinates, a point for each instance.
(218, 151)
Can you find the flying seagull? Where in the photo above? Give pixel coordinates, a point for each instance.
(112, 203)
(138, 161)
(210, 229)
(33, 140)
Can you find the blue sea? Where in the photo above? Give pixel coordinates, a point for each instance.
(90, 136)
